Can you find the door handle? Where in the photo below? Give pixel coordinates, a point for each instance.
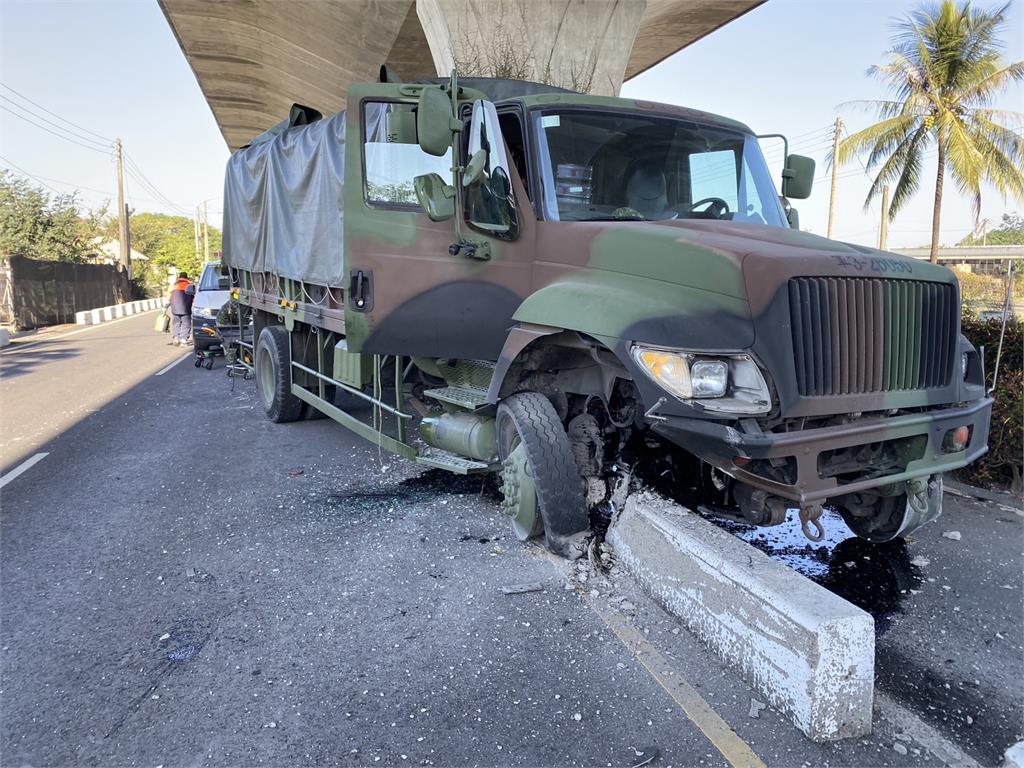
(360, 290)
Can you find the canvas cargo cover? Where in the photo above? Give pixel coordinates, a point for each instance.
(283, 203)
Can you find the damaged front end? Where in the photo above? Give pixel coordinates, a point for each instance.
(857, 391)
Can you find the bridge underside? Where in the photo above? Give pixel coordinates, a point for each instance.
(254, 59)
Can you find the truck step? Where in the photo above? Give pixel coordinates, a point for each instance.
(435, 457)
(473, 374)
(464, 397)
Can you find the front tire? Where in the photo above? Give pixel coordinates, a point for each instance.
(879, 518)
(542, 486)
(273, 376)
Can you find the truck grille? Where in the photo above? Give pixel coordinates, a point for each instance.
(858, 335)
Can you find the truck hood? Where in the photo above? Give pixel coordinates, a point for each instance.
(740, 259)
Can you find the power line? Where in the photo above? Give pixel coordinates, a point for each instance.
(50, 122)
(58, 135)
(23, 172)
(136, 173)
(49, 112)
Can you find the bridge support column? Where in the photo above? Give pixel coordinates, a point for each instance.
(580, 44)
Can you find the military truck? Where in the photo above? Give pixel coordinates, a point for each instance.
(503, 277)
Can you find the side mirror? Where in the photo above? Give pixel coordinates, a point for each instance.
(434, 196)
(434, 121)
(798, 177)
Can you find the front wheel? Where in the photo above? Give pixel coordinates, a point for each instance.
(877, 517)
(542, 488)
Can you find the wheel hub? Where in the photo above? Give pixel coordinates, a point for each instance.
(519, 495)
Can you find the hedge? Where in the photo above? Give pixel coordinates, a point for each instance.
(1003, 465)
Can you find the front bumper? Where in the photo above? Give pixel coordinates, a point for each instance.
(205, 331)
(721, 444)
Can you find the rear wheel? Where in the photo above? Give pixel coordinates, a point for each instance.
(273, 379)
(542, 488)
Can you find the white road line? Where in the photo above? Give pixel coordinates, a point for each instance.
(16, 346)
(24, 466)
(162, 371)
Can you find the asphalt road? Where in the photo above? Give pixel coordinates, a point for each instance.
(185, 583)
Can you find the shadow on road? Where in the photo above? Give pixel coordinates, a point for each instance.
(26, 361)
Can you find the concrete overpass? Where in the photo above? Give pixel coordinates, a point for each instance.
(255, 58)
(982, 259)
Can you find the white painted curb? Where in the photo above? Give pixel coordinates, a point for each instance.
(810, 653)
(105, 314)
(1014, 757)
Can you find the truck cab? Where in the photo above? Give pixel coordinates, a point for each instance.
(569, 272)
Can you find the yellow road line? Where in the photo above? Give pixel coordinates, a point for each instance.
(733, 748)
(694, 706)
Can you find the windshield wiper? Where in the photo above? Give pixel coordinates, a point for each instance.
(637, 217)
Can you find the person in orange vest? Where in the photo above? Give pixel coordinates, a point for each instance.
(181, 311)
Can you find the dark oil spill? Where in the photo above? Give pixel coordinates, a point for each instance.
(425, 487)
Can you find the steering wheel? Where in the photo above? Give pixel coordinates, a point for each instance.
(717, 208)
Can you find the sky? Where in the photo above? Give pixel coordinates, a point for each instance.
(116, 71)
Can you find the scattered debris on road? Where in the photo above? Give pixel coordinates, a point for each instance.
(520, 589)
(953, 535)
(645, 756)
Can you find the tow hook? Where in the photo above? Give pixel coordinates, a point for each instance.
(811, 515)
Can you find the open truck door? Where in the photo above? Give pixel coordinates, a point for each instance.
(423, 277)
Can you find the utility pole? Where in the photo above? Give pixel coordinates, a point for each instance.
(123, 231)
(206, 234)
(195, 230)
(883, 232)
(835, 170)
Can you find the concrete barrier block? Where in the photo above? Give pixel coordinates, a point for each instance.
(810, 653)
(83, 318)
(108, 313)
(94, 316)
(5, 337)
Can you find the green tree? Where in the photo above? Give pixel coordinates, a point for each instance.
(944, 72)
(41, 225)
(168, 242)
(1010, 232)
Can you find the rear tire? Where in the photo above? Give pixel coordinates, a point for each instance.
(528, 423)
(273, 376)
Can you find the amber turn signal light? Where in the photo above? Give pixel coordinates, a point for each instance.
(956, 439)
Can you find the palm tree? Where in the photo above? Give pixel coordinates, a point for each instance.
(944, 71)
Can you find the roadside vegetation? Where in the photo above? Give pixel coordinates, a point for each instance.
(1003, 465)
(46, 225)
(43, 225)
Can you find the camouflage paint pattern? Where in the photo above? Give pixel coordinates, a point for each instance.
(698, 285)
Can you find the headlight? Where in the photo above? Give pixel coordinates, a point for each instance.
(206, 312)
(709, 378)
(729, 383)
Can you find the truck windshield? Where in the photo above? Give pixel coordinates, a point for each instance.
(597, 165)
